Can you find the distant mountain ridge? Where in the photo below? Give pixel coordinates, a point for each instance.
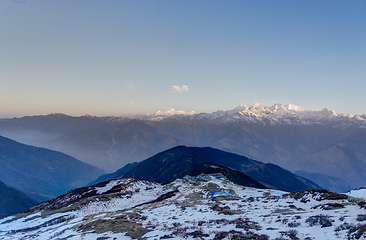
(181, 160)
(275, 114)
(286, 135)
(35, 130)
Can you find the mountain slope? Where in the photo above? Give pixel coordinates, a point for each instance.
(345, 160)
(210, 208)
(180, 161)
(40, 172)
(232, 175)
(333, 184)
(115, 175)
(13, 201)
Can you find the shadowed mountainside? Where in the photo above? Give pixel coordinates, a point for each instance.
(180, 161)
(13, 201)
(232, 175)
(333, 183)
(41, 173)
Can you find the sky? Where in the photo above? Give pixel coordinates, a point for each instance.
(134, 57)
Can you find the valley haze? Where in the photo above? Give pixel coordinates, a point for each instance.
(324, 146)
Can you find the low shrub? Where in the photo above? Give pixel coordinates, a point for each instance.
(361, 217)
(293, 224)
(322, 220)
(357, 232)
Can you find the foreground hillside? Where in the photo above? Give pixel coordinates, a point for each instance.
(206, 207)
(42, 173)
(181, 160)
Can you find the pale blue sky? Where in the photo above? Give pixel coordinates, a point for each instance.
(123, 57)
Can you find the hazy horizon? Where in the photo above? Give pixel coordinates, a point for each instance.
(162, 112)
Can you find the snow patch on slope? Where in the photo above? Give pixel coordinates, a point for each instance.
(358, 193)
(183, 209)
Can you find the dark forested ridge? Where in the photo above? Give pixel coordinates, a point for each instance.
(13, 201)
(181, 160)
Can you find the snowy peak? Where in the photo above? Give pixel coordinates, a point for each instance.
(257, 106)
(277, 107)
(281, 114)
(329, 112)
(292, 107)
(239, 108)
(274, 115)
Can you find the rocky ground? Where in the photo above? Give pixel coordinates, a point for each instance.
(184, 209)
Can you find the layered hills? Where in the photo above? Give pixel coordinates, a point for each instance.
(106, 145)
(181, 160)
(289, 136)
(42, 173)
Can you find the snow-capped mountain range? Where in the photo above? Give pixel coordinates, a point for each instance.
(276, 114)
